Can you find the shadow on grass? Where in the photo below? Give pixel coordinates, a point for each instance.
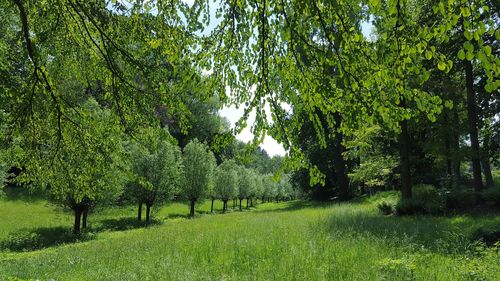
(39, 238)
(291, 206)
(17, 193)
(177, 216)
(446, 235)
(122, 224)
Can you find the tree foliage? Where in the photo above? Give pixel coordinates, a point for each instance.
(198, 168)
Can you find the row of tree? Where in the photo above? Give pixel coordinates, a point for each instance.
(427, 75)
(147, 169)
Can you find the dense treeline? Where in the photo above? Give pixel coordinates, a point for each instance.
(106, 101)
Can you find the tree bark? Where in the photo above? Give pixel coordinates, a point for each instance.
(224, 206)
(212, 207)
(148, 210)
(404, 159)
(487, 173)
(191, 214)
(472, 116)
(247, 203)
(338, 160)
(139, 212)
(84, 218)
(78, 216)
(449, 168)
(240, 205)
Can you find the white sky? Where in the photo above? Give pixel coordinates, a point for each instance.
(233, 114)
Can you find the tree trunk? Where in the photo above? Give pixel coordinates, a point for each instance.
(487, 173)
(472, 116)
(447, 146)
(455, 144)
(212, 207)
(247, 203)
(191, 214)
(338, 160)
(139, 212)
(404, 159)
(78, 216)
(148, 210)
(84, 218)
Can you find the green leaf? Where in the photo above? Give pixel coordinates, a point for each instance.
(468, 35)
(461, 54)
(428, 54)
(469, 56)
(441, 65)
(487, 50)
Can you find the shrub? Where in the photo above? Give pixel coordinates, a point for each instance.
(385, 208)
(425, 192)
(489, 235)
(460, 198)
(410, 206)
(426, 200)
(491, 195)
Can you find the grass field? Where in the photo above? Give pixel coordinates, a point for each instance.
(274, 241)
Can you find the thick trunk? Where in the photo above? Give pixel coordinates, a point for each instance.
(240, 204)
(247, 203)
(212, 207)
(191, 213)
(139, 212)
(224, 206)
(78, 216)
(148, 211)
(404, 160)
(338, 160)
(447, 146)
(455, 145)
(84, 218)
(472, 116)
(487, 173)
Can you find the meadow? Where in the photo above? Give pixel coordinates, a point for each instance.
(295, 240)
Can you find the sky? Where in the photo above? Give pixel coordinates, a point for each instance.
(233, 114)
(270, 145)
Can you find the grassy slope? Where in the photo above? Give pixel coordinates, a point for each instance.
(285, 241)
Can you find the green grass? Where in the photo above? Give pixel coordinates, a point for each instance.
(276, 241)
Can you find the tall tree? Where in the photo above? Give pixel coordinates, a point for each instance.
(226, 181)
(198, 168)
(87, 166)
(156, 170)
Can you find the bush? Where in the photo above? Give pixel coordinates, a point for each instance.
(426, 200)
(425, 192)
(385, 208)
(460, 198)
(410, 206)
(489, 235)
(491, 195)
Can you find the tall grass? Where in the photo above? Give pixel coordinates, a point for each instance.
(276, 241)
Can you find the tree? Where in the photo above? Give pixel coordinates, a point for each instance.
(258, 187)
(245, 184)
(87, 166)
(198, 168)
(156, 170)
(226, 181)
